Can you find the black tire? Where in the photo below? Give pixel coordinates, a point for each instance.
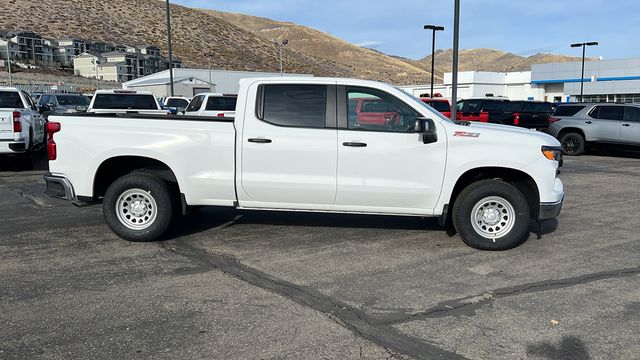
(484, 191)
(156, 190)
(573, 143)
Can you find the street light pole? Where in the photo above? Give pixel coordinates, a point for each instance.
(96, 62)
(434, 28)
(170, 47)
(9, 62)
(456, 34)
(584, 47)
(281, 45)
(209, 55)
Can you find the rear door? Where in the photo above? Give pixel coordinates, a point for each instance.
(630, 130)
(603, 123)
(289, 155)
(386, 169)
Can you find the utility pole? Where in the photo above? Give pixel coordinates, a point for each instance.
(209, 55)
(434, 28)
(96, 62)
(584, 46)
(9, 62)
(281, 45)
(170, 47)
(456, 35)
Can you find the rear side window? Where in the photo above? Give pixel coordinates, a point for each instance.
(632, 113)
(513, 106)
(537, 107)
(10, 99)
(177, 103)
(567, 110)
(124, 102)
(607, 112)
(221, 103)
(295, 105)
(494, 105)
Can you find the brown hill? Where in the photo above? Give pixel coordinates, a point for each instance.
(363, 62)
(486, 60)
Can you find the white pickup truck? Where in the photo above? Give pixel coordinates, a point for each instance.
(298, 144)
(212, 104)
(21, 125)
(129, 101)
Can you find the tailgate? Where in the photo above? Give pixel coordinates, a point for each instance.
(6, 124)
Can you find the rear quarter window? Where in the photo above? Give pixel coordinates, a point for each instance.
(10, 99)
(221, 103)
(567, 110)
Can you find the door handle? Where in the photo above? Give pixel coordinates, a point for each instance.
(354, 144)
(259, 140)
(626, 125)
(587, 122)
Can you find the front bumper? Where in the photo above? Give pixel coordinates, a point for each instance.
(550, 210)
(59, 187)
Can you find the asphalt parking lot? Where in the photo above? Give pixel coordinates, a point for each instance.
(261, 285)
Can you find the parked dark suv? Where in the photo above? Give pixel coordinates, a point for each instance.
(529, 114)
(61, 103)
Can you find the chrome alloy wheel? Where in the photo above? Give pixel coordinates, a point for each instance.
(493, 217)
(136, 209)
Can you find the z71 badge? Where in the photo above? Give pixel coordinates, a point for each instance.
(466, 134)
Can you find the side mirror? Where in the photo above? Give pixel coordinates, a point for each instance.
(426, 128)
(81, 108)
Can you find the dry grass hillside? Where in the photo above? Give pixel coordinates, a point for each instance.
(487, 60)
(361, 61)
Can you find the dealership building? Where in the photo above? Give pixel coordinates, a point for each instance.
(604, 80)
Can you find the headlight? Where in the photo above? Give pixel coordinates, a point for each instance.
(553, 153)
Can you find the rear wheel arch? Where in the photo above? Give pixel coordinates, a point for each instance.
(114, 168)
(569, 130)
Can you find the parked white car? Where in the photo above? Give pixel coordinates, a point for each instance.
(22, 128)
(296, 145)
(212, 104)
(125, 101)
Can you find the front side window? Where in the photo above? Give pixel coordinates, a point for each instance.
(295, 105)
(195, 103)
(473, 106)
(632, 113)
(607, 112)
(375, 110)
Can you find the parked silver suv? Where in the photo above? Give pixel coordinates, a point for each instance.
(580, 124)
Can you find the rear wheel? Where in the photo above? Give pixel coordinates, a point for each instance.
(492, 215)
(139, 207)
(573, 143)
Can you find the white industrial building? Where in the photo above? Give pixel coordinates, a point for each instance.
(190, 82)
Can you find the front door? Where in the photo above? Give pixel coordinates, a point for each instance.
(630, 127)
(289, 150)
(385, 168)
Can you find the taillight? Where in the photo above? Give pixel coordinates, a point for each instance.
(52, 128)
(516, 118)
(17, 125)
(220, 114)
(551, 120)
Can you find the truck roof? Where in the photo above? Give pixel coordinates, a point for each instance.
(8, 88)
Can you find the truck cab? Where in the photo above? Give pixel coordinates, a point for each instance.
(212, 104)
(127, 101)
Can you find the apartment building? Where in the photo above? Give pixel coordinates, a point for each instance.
(119, 66)
(27, 47)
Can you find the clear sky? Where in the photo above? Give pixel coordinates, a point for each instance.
(523, 27)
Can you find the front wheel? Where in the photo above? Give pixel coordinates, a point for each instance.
(492, 215)
(138, 207)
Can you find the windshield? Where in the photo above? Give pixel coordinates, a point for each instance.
(125, 101)
(177, 103)
(72, 100)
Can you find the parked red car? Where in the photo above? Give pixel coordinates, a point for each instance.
(440, 104)
(373, 111)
